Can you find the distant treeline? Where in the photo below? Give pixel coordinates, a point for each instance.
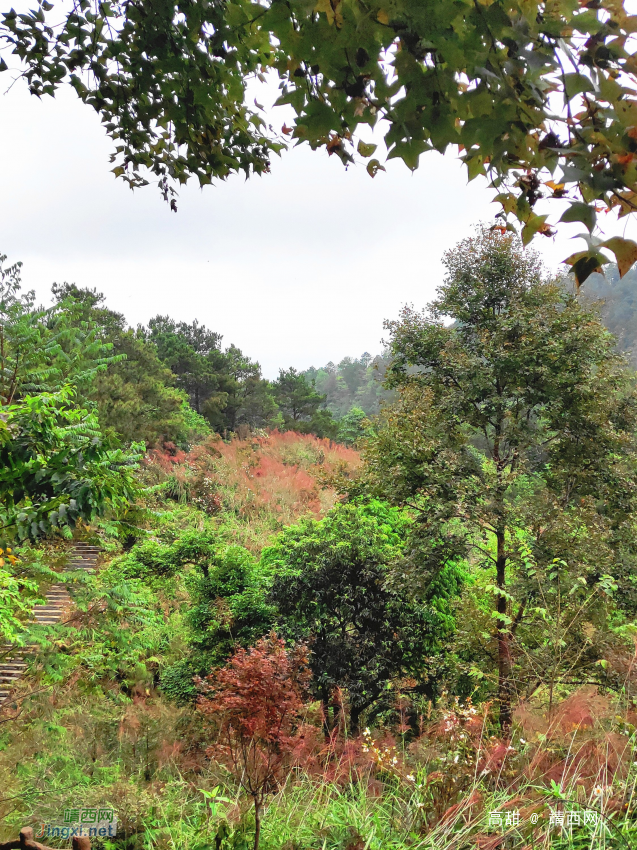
(617, 301)
(174, 381)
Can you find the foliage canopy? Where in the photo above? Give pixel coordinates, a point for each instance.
(331, 590)
(514, 432)
(540, 96)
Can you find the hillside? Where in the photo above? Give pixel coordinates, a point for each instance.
(617, 301)
(222, 635)
(252, 488)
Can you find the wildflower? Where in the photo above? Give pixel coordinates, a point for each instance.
(410, 777)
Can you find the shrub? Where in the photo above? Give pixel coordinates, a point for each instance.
(254, 705)
(331, 589)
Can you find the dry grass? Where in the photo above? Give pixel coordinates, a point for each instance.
(256, 485)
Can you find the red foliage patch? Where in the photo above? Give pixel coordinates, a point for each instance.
(254, 705)
(277, 477)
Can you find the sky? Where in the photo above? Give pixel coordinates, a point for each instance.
(297, 268)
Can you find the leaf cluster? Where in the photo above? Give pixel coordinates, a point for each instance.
(539, 98)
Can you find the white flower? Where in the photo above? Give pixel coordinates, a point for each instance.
(410, 777)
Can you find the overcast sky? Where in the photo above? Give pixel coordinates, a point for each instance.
(298, 268)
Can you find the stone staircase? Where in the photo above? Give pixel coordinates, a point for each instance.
(13, 663)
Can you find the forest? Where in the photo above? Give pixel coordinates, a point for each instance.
(388, 603)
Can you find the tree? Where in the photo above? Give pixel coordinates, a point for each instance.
(255, 705)
(135, 395)
(227, 594)
(352, 426)
(513, 432)
(539, 98)
(137, 399)
(55, 467)
(225, 387)
(331, 590)
(192, 353)
(295, 396)
(42, 350)
(16, 598)
(247, 397)
(229, 607)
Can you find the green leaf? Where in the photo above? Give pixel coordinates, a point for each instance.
(508, 201)
(409, 152)
(366, 150)
(373, 167)
(625, 251)
(579, 211)
(535, 224)
(475, 167)
(575, 84)
(584, 264)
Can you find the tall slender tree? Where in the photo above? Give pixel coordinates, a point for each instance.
(515, 418)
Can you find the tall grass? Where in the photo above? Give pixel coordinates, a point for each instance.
(435, 791)
(256, 485)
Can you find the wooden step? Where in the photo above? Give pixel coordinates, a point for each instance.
(83, 557)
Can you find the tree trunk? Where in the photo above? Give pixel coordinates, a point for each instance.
(504, 639)
(257, 824)
(354, 720)
(325, 703)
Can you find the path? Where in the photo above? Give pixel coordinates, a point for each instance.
(82, 557)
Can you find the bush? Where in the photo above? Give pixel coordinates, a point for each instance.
(229, 607)
(331, 589)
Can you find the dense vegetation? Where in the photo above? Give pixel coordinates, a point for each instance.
(170, 382)
(295, 643)
(539, 97)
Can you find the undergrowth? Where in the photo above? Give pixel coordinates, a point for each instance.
(436, 789)
(256, 486)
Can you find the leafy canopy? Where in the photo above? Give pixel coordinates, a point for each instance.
(513, 432)
(55, 467)
(538, 96)
(225, 387)
(331, 590)
(255, 707)
(41, 349)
